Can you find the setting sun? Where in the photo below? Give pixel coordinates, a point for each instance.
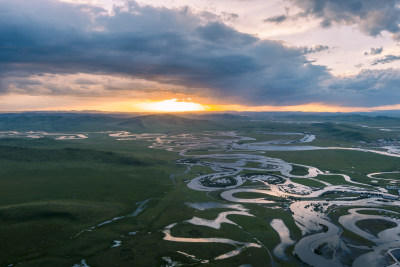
(171, 105)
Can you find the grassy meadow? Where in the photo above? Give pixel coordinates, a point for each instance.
(55, 194)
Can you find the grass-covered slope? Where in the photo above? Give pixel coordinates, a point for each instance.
(72, 122)
(53, 192)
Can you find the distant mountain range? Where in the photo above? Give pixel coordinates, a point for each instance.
(96, 122)
(72, 122)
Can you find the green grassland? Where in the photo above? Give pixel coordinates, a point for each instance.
(52, 190)
(307, 182)
(375, 226)
(299, 170)
(394, 176)
(250, 195)
(50, 194)
(353, 163)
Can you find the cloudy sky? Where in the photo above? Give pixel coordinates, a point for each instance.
(308, 55)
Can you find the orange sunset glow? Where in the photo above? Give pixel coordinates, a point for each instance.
(170, 105)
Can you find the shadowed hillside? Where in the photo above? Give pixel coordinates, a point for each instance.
(96, 122)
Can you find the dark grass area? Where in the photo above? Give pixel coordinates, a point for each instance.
(51, 190)
(49, 194)
(375, 226)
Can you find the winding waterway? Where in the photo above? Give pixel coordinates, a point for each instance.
(239, 165)
(230, 154)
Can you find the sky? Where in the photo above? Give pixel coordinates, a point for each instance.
(187, 55)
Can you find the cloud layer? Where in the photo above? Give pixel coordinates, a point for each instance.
(386, 59)
(374, 51)
(371, 16)
(189, 53)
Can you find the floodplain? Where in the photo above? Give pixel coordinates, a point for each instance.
(254, 193)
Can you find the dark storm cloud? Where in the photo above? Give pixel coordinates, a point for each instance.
(315, 49)
(370, 87)
(276, 19)
(371, 16)
(386, 59)
(170, 46)
(374, 51)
